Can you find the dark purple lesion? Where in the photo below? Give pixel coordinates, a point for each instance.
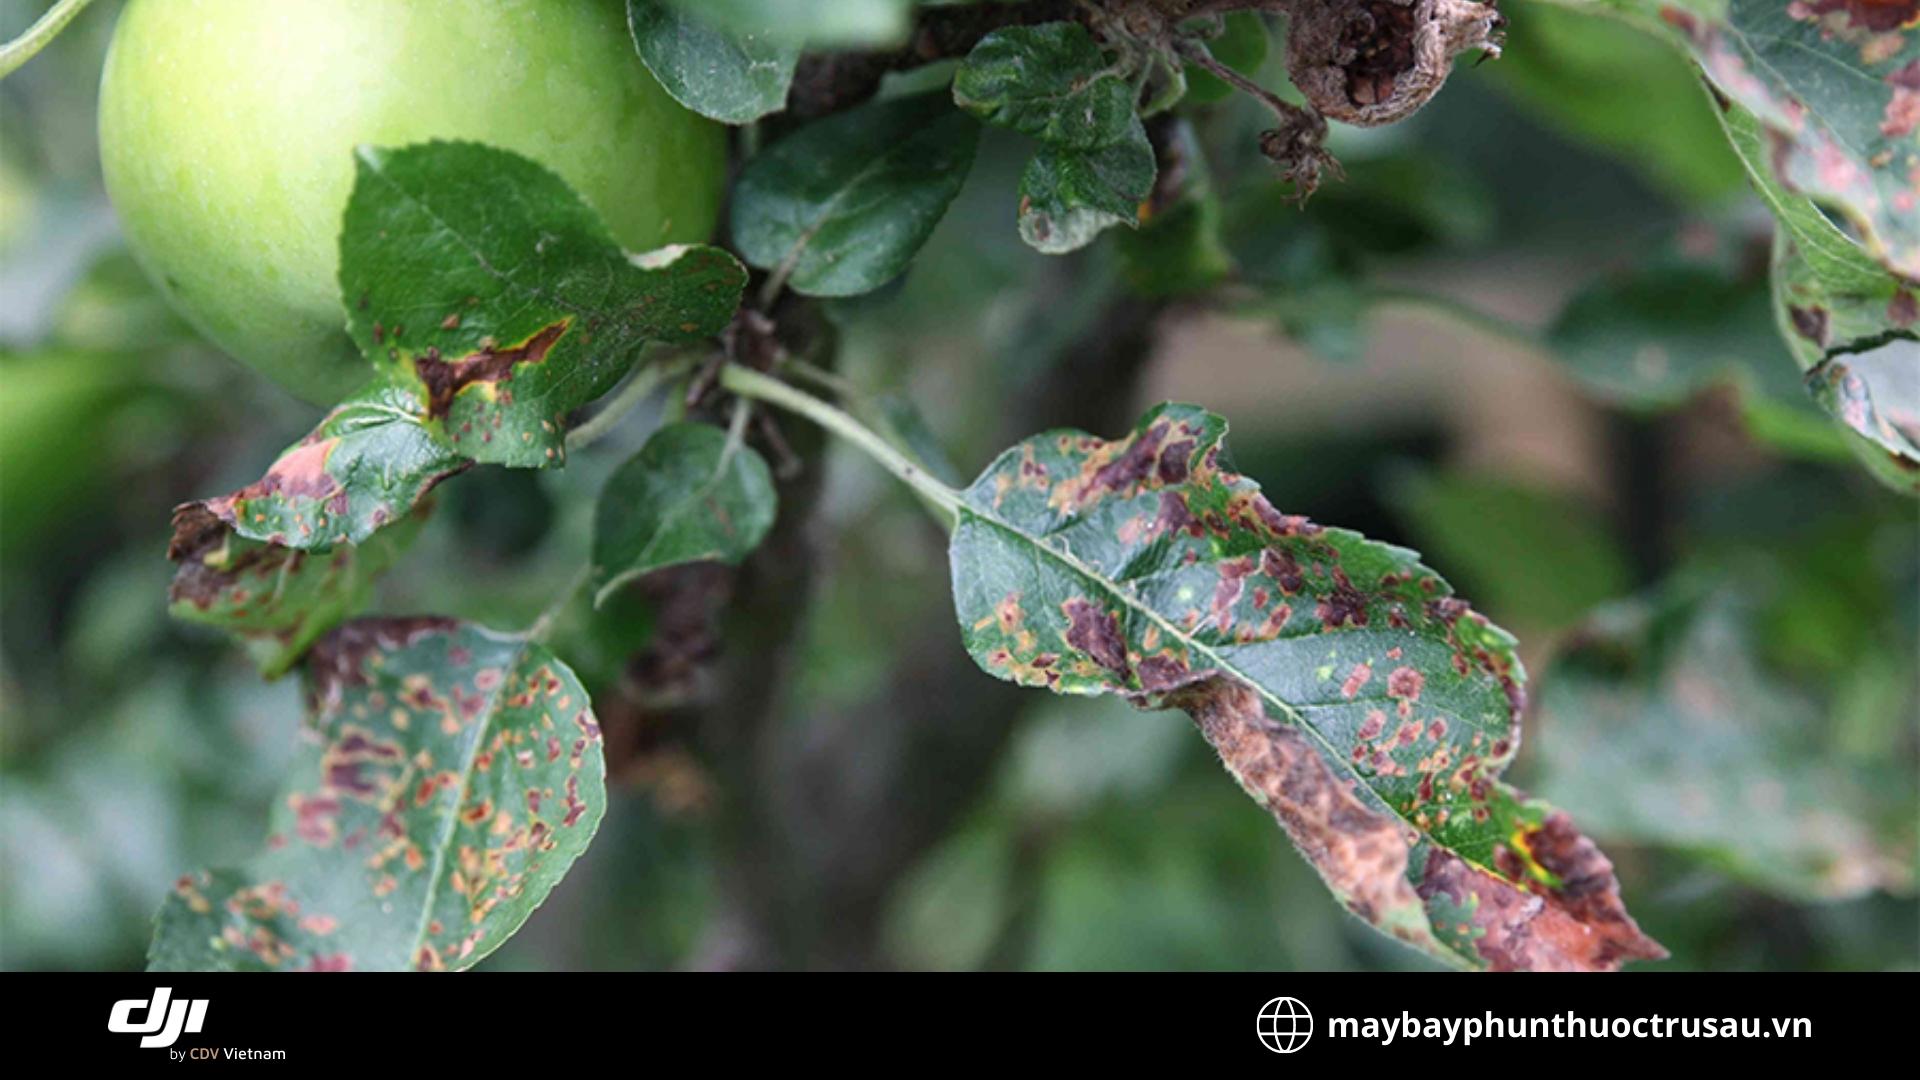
(444, 379)
(1095, 632)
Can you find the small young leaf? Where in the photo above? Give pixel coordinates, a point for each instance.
(1049, 81)
(447, 779)
(481, 283)
(685, 497)
(732, 78)
(843, 204)
(277, 600)
(1342, 683)
(1068, 197)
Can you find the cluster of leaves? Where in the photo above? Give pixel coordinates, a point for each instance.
(450, 774)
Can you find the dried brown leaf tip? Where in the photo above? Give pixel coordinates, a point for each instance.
(1552, 902)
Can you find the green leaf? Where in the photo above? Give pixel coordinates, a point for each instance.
(811, 22)
(1663, 728)
(687, 496)
(1344, 686)
(732, 78)
(1242, 46)
(1068, 197)
(843, 204)
(479, 282)
(447, 778)
(1837, 87)
(1050, 81)
(277, 600)
(366, 466)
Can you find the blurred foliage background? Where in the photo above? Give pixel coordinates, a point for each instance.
(1528, 335)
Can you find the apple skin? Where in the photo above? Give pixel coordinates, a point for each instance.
(227, 130)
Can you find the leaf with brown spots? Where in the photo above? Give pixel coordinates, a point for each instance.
(366, 466)
(1835, 85)
(446, 779)
(482, 285)
(276, 600)
(1342, 683)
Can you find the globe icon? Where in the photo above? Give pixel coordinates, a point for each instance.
(1285, 1025)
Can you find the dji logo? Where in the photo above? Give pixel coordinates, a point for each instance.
(163, 1025)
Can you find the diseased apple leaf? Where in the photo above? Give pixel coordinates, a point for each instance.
(479, 281)
(1050, 81)
(687, 496)
(1342, 683)
(523, 308)
(448, 777)
(1663, 728)
(1848, 322)
(275, 599)
(842, 205)
(1069, 196)
(1836, 84)
(735, 78)
(810, 22)
(366, 466)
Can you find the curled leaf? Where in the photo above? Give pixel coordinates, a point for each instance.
(277, 600)
(366, 466)
(1070, 196)
(1835, 85)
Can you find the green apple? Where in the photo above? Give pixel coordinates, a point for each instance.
(227, 130)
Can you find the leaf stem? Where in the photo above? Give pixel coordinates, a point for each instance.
(637, 389)
(749, 383)
(23, 48)
(1466, 316)
(542, 626)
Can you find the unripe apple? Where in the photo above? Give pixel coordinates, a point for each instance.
(227, 130)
